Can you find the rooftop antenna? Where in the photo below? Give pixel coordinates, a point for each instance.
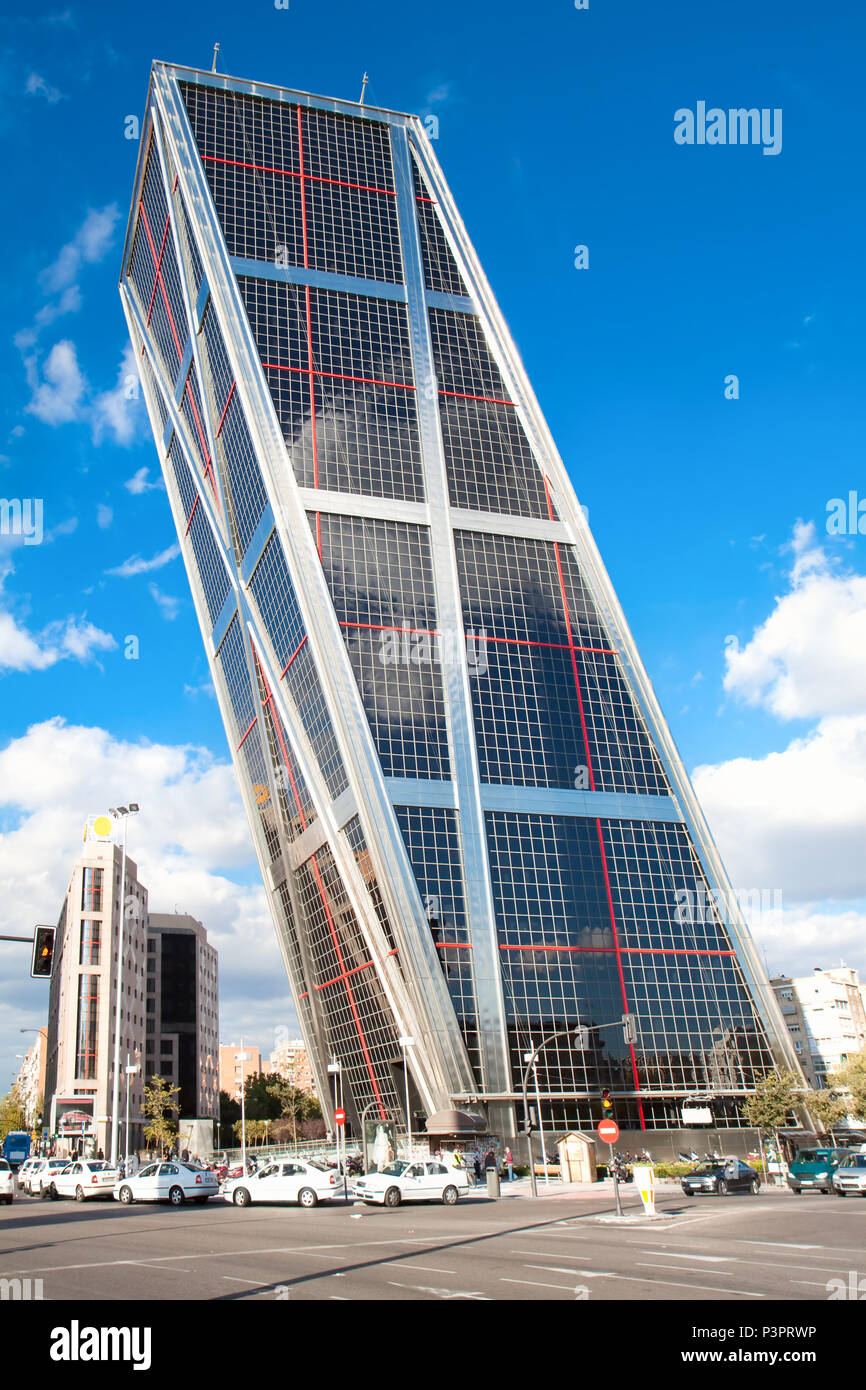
(216, 49)
(364, 82)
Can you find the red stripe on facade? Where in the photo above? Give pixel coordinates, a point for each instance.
(628, 950)
(453, 945)
(278, 730)
(248, 732)
(303, 190)
(337, 978)
(349, 995)
(225, 408)
(386, 627)
(293, 655)
(342, 376)
(294, 174)
(161, 283)
(557, 646)
(192, 514)
(464, 396)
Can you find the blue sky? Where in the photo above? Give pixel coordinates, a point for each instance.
(555, 129)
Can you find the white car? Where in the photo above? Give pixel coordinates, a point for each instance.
(400, 1181)
(290, 1180)
(85, 1178)
(7, 1182)
(40, 1175)
(168, 1182)
(850, 1175)
(23, 1176)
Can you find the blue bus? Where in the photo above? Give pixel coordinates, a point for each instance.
(16, 1147)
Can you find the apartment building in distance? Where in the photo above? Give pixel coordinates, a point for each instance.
(233, 1073)
(826, 1017)
(292, 1063)
(30, 1081)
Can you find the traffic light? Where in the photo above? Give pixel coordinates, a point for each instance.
(607, 1103)
(581, 1038)
(529, 1126)
(629, 1028)
(43, 953)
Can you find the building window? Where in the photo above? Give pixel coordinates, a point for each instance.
(88, 1011)
(91, 890)
(90, 941)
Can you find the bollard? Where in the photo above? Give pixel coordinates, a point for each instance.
(492, 1182)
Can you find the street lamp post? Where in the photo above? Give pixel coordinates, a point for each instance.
(526, 1057)
(335, 1068)
(243, 1057)
(121, 813)
(407, 1042)
(130, 1071)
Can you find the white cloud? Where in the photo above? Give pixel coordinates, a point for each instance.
(76, 638)
(38, 87)
(118, 412)
(58, 397)
(136, 565)
(795, 819)
(190, 842)
(138, 483)
(167, 605)
(806, 659)
(91, 243)
(104, 516)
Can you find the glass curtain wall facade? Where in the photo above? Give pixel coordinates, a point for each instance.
(472, 822)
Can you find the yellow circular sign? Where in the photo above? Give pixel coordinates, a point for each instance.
(102, 825)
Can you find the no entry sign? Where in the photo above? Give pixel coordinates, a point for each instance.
(340, 1117)
(608, 1130)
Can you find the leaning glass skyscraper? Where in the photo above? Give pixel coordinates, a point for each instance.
(472, 823)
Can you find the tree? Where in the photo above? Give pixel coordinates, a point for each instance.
(259, 1102)
(827, 1108)
(12, 1113)
(851, 1077)
(230, 1111)
(293, 1104)
(772, 1102)
(160, 1106)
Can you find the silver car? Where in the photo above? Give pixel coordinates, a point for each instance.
(850, 1176)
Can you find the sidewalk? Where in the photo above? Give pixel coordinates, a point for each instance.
(556, 1188)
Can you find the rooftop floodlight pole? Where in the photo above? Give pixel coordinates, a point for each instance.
(121, 813)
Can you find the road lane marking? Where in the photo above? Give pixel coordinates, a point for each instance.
(233, 1278)
(444, 1293)
(786, 1244)
(710, 1259)
(428, 1269)
(536, 1284)
(589, 1273)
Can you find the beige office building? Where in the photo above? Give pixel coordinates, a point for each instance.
(83, 1000)
(30, 1081)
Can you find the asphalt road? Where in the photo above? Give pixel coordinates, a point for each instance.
(746, 1249)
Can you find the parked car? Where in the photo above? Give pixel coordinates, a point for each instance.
(7, 1182)
(412, 1182)
(23, 1174)
(83, 1179)
(167, 1182)
(850, 1175)
(722, 1175)
(296, 1180)
(39, 1176)
(812, 1169)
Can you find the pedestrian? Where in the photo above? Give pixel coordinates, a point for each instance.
(509, 1163)
(100, 1155)
(490, 1160)
(478, 1169)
